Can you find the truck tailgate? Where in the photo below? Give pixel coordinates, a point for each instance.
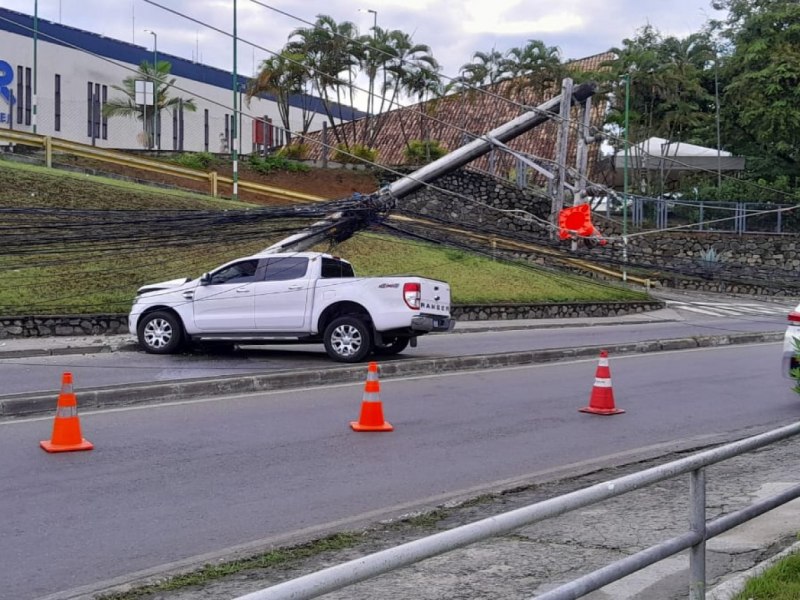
(435, 297)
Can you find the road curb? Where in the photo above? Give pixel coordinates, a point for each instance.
(23, 405)
(727, 590)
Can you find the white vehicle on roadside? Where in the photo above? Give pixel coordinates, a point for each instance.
(790, 360)
(292, 298)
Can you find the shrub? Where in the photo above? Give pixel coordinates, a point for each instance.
(355, 154)
(293, 152)
(275, 163)
(196, 160)
(419, 153)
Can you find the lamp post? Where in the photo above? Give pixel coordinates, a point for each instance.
(374, 19)
(35, 42)
(371, 97)
(627, 77)
(155, 88)
(234, 121)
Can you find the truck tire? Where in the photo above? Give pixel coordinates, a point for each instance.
(160, 332)
(392, 346)
(348, 339)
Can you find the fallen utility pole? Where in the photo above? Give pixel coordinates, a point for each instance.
(369, 209)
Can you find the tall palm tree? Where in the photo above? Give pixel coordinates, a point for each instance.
(534, 65)
(284, 76)
(127, 106)
(486, 68)
(331, 57)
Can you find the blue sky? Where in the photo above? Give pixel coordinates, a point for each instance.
(454, 29)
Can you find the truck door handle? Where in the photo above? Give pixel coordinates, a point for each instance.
(295, 287)
(242, 291)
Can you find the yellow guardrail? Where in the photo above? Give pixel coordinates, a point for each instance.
(124, 159)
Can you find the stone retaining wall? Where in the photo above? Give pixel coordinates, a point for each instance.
(71, 325)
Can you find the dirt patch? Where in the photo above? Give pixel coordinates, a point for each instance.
(332, 184)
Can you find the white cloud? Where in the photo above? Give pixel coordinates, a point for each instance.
(454, 29)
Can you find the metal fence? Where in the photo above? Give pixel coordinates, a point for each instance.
(718, 216)
(700, 530)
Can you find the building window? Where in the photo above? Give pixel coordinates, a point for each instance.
(57, 105)
(96, 124)
(177, 127)
(205, 130)
(20, 96)
(174, 129)
(89, 108)
(104, 119)
(28, 96)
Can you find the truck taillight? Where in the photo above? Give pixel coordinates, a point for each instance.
(794, 317)
(412, 294)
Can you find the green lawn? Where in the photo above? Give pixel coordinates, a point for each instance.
(779, 582)
(77, 278)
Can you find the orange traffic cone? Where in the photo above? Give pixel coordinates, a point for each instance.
(67, 427)
(602, 399)
(371, 418)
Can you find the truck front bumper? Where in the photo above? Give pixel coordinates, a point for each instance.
(428, 323)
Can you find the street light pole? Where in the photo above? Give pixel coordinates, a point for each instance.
(234, 121)
(371, 97)
(625, 181)
(35, 43)
(155, 88)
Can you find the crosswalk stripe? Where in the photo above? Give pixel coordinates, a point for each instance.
(722, 309)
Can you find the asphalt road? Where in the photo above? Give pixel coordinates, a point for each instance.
(43, 374)
(169, 482)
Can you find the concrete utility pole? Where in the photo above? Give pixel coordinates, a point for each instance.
(582, 152)
(562, 142)
(156, 143)
(35, 75)
(234, 120)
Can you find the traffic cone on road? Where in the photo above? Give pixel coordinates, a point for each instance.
(601, 401)
(67, 426)
(371, 418)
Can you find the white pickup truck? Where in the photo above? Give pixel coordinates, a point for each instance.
(291, 298)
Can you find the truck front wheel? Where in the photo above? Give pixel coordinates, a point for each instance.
(160, 332)
(348, 339)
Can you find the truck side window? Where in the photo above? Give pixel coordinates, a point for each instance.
(332, 268)
(285, 268)
(240, 272)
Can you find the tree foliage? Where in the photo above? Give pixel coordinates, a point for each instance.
(126, 106)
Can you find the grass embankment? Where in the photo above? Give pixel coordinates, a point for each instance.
(779, 582)
(65, 275)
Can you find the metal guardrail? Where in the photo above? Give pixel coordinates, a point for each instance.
(366, 567)
(154, 166)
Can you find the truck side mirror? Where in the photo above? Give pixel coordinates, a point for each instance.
(205, 279)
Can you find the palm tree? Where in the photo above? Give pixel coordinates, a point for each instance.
(284, 76)
(127, 106)
(331, 56)
(486, 68)
(534, 65)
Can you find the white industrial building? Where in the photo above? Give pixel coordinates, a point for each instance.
(75, 72)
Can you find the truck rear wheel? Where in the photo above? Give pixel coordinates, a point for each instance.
(348, 339)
